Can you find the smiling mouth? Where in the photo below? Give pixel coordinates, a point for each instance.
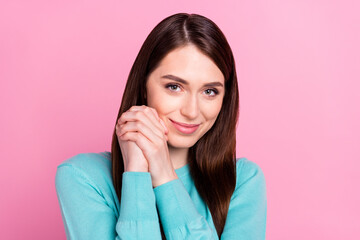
(185, 125)
(185, 128)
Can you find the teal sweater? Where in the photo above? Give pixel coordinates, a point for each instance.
(91, 209)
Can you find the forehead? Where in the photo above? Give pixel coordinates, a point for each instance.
(189, 63)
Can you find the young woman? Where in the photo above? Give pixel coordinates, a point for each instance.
(172, 172)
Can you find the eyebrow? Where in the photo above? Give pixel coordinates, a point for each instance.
(177, 79)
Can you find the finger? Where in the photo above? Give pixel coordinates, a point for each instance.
(162, 123)
(153, 111)
(143, 107)
(137, 126)
(159, 119)
(141, 113)
(141, 141)
(141, 117)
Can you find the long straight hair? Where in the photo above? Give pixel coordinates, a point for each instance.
(212, 159)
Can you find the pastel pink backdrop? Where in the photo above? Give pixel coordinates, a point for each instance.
(63, 67)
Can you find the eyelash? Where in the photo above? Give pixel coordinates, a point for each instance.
(216, 92)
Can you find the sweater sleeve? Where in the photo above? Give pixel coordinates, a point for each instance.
(246, 217)
(87, 215)
(138, 215)
(178, 213)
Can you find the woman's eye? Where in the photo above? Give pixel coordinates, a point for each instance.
(173, 87)
(211, 92)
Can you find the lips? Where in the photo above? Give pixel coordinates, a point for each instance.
(185, 128)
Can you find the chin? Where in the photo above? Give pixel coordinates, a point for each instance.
(181, 142)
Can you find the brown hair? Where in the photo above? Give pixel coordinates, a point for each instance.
(212, 160)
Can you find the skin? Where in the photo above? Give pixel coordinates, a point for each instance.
(147, 137)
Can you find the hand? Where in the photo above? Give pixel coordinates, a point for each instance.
(133, 157)
(143, 126)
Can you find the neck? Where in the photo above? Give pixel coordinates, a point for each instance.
(178, 156)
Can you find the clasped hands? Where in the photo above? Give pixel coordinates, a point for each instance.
(142, 137)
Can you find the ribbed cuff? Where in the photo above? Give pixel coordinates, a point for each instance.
(175, 206)
(137, 197)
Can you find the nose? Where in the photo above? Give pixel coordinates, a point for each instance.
(190, 107)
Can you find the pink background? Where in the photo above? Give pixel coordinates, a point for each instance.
(63, 67)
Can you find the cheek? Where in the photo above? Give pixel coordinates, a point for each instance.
(213, 111)
(160, 102)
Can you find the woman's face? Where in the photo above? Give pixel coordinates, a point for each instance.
(187, 88)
